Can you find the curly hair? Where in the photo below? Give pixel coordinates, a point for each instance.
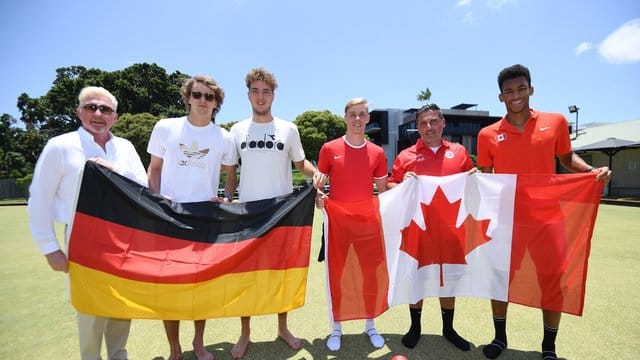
(208, 81)
(261, 74)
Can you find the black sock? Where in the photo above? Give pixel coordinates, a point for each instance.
(411, 338)
(449, 333)
(499, 343)
(549, 343)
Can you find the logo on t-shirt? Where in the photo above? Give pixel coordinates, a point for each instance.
(448, 154)
(267, 142)
(193, 155)
(501, 137)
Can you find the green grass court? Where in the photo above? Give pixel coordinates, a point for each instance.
(37, 322)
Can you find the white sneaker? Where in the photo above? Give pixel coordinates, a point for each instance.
(376, 340)
(335, 340)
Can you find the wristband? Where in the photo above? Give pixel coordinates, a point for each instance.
(228, 197)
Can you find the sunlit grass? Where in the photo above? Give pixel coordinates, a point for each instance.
(36, 320)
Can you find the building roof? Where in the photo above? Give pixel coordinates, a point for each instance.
(610, 144)
(625, 130)
(463, 106)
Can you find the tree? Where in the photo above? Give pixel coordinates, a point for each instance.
(140, 88)
(316, 128)
(8, 138)
(227, 126)
(17, 158)
(424, 95)
(137, 129)
(54, 113)
(147, 88)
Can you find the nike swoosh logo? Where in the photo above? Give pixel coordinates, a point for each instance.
(545, 128)
(335, 157)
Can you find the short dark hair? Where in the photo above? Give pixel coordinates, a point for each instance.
(430, 107)
(512, 72)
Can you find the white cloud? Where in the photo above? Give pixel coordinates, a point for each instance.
(462, 3)
(584, 46)
(622, 45)
(469, 18)
(497, 4)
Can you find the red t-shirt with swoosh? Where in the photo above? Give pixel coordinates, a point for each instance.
(352, 169)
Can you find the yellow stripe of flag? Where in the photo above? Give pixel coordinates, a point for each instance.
(238, 294)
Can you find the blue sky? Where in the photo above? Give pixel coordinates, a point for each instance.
(324, 53)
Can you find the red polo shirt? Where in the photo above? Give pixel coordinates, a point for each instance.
(451, 158)
(532, 151)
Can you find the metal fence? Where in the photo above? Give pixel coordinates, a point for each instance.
(9, 190)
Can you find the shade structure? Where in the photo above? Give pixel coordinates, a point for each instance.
(609, 144)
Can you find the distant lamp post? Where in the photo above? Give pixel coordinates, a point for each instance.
(574, 109)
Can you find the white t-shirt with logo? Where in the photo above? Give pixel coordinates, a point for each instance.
(266, 151)
(191, 158)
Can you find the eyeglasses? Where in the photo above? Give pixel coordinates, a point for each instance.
(104, 109)
(197, 95)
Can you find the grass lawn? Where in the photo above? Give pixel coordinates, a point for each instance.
(36, 320)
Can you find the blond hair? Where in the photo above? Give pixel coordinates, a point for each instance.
(354, 102)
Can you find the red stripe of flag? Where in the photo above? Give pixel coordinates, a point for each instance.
(139, 255)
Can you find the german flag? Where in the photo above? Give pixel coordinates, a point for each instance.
(134, 254)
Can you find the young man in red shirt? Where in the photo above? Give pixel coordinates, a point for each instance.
(526, 141)
(354, 165)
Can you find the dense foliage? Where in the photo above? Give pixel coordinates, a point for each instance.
(145, 93)
(318, 127)
(144, 89)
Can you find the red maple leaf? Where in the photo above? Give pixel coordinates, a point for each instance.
(442, 242)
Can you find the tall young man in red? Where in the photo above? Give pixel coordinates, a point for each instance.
(526, 141)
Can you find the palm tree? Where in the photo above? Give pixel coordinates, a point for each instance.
(424, 95)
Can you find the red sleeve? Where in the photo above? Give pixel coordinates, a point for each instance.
(323, 160)
(484, 158)
(398, 170)
(381, 168)
(467, 164)
(563, 144)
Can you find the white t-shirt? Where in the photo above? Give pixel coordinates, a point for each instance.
(191, 158)
(57, 175)
(266, 152)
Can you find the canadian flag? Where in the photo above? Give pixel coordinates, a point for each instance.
(517, 238)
